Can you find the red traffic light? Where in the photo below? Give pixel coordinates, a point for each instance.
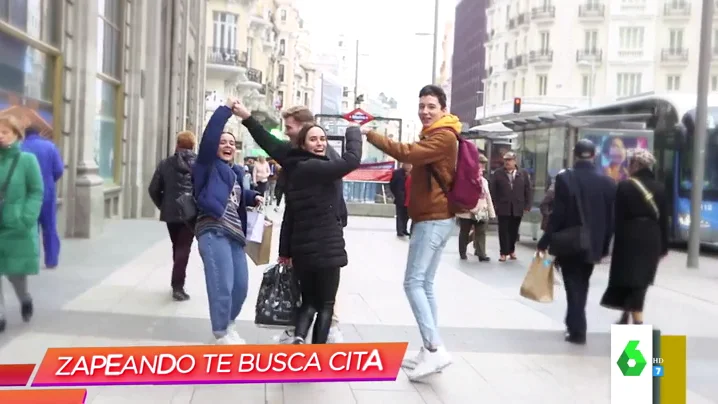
(517, 105)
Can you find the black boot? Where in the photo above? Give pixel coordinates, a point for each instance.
(26, 311)
(179, 295)
(305, 318)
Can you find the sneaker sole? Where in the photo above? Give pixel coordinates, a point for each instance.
(424, 376)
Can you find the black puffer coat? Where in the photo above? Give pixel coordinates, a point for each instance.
(172, 178)
(312, 234)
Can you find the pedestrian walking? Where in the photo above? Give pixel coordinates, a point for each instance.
(579, 231)
(434, 160)
(260, 175)
(222, 224)
(272, 182)
(52, 168)
(511, 193)
(173, 178)
(473, 224)
(641, 238)
(21, 199)
(295, 119)
(397, 186)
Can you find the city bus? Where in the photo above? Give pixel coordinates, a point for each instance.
(662, 123)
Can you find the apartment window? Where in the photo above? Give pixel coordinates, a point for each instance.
(676, 39)
(545, 41)
(306, 99)
(306, 77)
(714, 83)
(282, 47)
(225, 30)
(523, 86)
(590, 41)
(506, 51)
(301, 24)
(109, 43)
(586, 85)
(299, 96)
(250, 47)
(631, 38)
(673, 83)
(504, 89)
(283, 15)
(542, 84)
(628, 84)
(280, 98)
(281, 74)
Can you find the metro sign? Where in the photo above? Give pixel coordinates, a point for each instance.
(358, 116)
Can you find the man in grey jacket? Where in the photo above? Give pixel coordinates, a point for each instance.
(295, 118)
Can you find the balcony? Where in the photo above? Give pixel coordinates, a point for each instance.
(509, 64)
(591, 11)
(677, 9)
(254, 75)
(541, 56)
(679, 55)
(522, 20)
(543, 14)
(225, 63)
(589, 55)
(630, 53)
(520, 61)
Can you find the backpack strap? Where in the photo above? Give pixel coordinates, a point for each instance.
(647, 196)
(435, 175)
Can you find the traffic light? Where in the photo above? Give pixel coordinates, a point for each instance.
(517, 105)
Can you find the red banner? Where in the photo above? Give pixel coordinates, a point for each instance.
(372, 172)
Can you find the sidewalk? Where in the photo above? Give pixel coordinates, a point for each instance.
(115, 291)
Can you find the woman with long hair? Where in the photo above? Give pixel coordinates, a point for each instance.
(222, 224)
(313, 236)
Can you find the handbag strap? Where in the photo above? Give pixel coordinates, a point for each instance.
(647, 196)
(6, 184)
(577, 196)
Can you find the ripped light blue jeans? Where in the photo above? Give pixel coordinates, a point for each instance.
(226, 276)
(427, 243)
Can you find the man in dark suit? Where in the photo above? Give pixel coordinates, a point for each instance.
(397, 186)
(510, 188)
(596, 193)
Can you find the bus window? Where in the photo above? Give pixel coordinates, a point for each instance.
(710, 179)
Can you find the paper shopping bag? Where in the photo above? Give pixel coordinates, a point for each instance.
(258, 251)
(539, 281)
(255, 228)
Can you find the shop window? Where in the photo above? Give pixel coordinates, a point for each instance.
(37, 18)
(109, 43)
(106, 128)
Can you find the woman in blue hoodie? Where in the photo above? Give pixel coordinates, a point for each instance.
(222, 224)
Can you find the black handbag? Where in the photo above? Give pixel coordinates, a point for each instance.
(574, 241)
(187, 207)
(6, 184)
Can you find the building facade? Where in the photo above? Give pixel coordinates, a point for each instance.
(622, 48)
(258, 51)
(115, 80)
(467, 67)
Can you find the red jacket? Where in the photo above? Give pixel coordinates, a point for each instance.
(407, 188)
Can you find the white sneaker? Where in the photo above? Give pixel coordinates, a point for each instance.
(433, 362)
(411, 362)
(286, 337)
(238, 340)
(335, 336)
(231, 338)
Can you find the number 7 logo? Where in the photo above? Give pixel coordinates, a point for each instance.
(658, 371)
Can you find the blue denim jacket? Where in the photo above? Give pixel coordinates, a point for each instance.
(213, 178)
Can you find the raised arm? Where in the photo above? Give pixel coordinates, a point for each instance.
(426, 151)
(332, 170)
(276, 148)
(212, 133)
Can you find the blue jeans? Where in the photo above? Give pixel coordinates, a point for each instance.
(226, 276)
(428, 240)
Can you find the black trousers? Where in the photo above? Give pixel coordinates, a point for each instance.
(479, 239)
(278, 194)
(182, 237)
(319, 293)
(262, 188)
(402, 220)
(508, 233)
(576, 276)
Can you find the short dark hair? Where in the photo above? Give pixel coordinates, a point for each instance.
(436, 91)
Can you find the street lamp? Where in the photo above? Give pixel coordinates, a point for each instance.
(591, 79)
(435, 34)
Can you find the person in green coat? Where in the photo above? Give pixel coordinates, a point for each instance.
(21, 193)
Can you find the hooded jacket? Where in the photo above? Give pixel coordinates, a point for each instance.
(437, 147)
(172, 178)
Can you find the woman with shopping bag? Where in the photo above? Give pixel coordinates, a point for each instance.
(313, 236)
(221, 226)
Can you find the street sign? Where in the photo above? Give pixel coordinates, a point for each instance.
(358, 116)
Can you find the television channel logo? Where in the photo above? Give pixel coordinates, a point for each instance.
(631, 353)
